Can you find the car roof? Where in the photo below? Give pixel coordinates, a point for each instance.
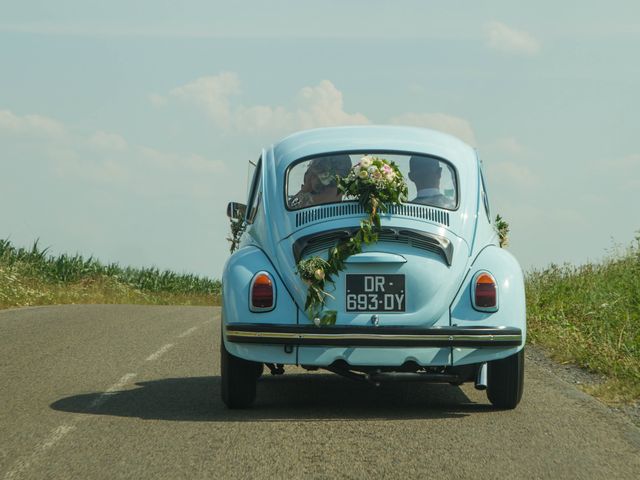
(371, 138)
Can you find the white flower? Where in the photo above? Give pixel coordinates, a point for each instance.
(372, 169)
(390, 177)
(356, 169)
(319, 274)
(365, 162)
(363, 174)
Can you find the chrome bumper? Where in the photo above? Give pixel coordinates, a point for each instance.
(346, 335)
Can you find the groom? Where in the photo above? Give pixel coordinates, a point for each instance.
(426, 172)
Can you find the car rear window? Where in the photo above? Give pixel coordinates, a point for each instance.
(431, 181)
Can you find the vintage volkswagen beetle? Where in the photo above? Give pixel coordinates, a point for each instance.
(434, 299)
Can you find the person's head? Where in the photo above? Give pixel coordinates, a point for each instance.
(425, 172)
(322, 171)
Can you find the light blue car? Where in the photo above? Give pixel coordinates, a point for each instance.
(435, 299)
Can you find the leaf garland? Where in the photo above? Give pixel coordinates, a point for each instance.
(376, 183)
(502, 227)
(238, 226)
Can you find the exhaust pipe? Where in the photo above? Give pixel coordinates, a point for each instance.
(380, 377)
(481, 377)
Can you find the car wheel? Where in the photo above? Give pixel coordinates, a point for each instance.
(505, 380)
(238, 378)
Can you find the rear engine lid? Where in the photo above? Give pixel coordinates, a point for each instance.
(409, 277)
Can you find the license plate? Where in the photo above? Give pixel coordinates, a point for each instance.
(375, 293)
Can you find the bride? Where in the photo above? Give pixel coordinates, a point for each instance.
(320, 182)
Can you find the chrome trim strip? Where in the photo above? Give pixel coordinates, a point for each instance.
(361, 336)
(481, 339)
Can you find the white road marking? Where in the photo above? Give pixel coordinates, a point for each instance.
(60, 432)
(23, 464)
(116, 387)
(187, 332)
(159, 353)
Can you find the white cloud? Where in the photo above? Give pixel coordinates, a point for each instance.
(318, 106)
(323, 105)
(72, 164)
(106, 157)
(107, 141)
(212, 94)
(37, 125)
(509, 40)
(314, 106)
(261, 118)
(453, 125)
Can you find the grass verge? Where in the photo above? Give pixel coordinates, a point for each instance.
(33, 277)
(590, 316)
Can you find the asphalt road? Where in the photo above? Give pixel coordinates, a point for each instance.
(133, 392)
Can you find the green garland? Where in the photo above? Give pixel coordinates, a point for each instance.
(502, 227)
(376, 183)
(238, 226)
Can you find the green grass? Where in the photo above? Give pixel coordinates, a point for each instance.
(590, 316)
(33, 277)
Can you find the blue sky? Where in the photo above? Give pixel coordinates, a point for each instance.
(125, 127)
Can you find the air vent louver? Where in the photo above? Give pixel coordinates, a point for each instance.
(316, 214)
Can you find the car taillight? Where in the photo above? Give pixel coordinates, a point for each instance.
(262, 292)
(484, 292)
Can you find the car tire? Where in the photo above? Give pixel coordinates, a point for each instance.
(238, 379)
(505, 379)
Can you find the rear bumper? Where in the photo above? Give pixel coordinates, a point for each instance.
(351, 336)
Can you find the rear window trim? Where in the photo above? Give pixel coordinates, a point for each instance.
(366, 152)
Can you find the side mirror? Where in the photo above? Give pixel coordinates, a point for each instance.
(236, 210)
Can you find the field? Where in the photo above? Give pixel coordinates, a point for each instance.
(590, 316)
(34, 277)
